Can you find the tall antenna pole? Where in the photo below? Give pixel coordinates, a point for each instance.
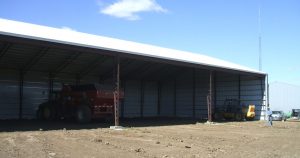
(259, 37)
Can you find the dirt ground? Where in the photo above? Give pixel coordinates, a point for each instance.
(149, 138)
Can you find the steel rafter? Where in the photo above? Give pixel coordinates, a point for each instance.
(37, 56)
(66, 62)
(109, 73)
(86, 70)
(160, 73)
(150, 70)
(4, 49)
(171, 73)
(138, 70)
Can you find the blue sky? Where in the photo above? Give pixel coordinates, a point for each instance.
(225, 29)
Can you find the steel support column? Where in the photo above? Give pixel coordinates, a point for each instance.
(123, 101)
(210, 96)
(142, 99)
(194, 93)
(175, 95)
(264, 93)
(262, 89)
(117, 91)
(21, 88)
(158, 98)
(50, 88)
(214, 92)
(239, 89)
(268, 92)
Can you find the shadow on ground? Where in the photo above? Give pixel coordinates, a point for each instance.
(37, 125)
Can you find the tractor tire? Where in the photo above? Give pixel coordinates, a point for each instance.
(249, 118)
(39, 114)
(48, 113)
(238, 117)
(83, 114)
(218, 116)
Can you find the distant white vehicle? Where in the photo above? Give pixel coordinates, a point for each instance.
(278, 116)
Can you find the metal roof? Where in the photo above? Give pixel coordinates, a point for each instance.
(49, 34)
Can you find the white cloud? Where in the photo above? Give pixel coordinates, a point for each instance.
(129, 9)
(67, 28)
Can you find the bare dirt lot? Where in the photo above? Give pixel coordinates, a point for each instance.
(152, 138)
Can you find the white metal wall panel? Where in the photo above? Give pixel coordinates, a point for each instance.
(9, 99)
(132, 99)
(9, 94)
(201, 92)
(34, 93)
(167, 99)
(253, 92)
(184, 96)
(150, 99)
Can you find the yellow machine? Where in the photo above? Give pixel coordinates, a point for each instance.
(250, 115)
(232, 110)
(249, 112)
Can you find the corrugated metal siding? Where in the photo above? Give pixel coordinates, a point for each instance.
(201, 92)
(253, 92)
(9, 95)
(9, 99)
(132, 99)
(34, 93)
(167, 99)
(184, 96)
(150, 99)
(227, 86)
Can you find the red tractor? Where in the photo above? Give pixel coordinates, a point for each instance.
(82, 102)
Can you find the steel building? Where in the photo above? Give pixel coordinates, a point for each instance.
(284, 96)
(158, 82)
